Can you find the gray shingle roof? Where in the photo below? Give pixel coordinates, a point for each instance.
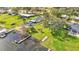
(75, 27)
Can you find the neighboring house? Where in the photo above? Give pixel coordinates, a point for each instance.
(32, 11)
(74, 31)
(22, 11)
(2, 11)
(11, 12)
(64, 16)
(76, 19)
(38, 19)
(26, 15)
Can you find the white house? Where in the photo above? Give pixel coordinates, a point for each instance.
(64, 16)
(2, 11)
(26, 15)
(22, 11)
(76, 18)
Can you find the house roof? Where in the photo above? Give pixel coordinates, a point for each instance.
(38, 19)
(75, 27)
(64, 16)
(27, 15)
(2, 11)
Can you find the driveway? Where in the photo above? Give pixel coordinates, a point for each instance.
(8, 44)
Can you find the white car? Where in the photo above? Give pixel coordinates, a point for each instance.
(3, 32)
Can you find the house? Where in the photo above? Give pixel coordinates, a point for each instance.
(22, 11)
(64, 16)
(74, 25)
(74, 31)
(2, 11)
(76, 19)
(11, 12)
(38, 19)
(26, 15)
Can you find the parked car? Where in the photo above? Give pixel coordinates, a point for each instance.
(4, 32)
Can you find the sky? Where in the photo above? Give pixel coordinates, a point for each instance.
(39, 3)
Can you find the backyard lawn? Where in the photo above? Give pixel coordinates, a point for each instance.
(59, 40)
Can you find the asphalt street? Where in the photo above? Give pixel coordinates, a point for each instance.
(8, 44)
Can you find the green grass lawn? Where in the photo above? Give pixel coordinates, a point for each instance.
(7, 20)
(59, 40)
(40, 35)
(63, 41)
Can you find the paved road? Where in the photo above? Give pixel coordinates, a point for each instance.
(7, 44)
